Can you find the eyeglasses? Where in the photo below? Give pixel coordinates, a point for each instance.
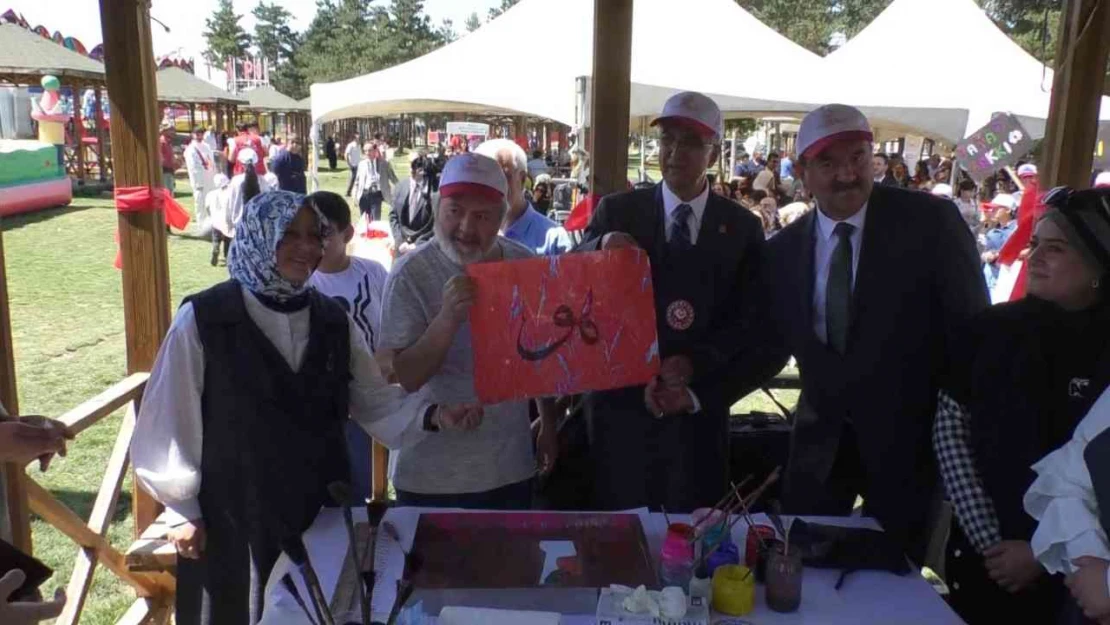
(686, 143)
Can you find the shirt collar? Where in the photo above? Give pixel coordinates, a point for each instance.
(826, 224)
(671, 201)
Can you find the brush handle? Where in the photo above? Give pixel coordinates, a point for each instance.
(364, 605)
(291, 588)
(316, 593)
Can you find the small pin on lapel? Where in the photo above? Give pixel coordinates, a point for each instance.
(723, 229)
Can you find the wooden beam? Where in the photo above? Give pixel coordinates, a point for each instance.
(66, 521)
(18, 510)
(146, 611)
(612, 74)
(1082, 46)
(81, 579)
(113, 398)
(101, 140)
(129, 62)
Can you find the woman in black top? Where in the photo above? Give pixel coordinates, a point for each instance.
(1029, 372)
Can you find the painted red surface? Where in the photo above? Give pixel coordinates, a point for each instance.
(563, 325)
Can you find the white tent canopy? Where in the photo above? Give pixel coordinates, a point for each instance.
(983, 70)
(506, 67)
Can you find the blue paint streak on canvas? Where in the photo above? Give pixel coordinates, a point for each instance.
(653, 351)
(612, 346)
(563, 364)
(554, 266)
(517, 306)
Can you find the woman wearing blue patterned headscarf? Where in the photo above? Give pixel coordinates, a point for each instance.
(241, 425)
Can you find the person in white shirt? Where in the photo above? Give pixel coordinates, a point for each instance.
(373, 182)
(241, 189)
(241, 428)
(353, 155)
(357, 284)
(216, 203)
(201, 166)
(1071, 535)
(276, 147)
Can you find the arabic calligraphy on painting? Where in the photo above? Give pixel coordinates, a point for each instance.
(563, 325)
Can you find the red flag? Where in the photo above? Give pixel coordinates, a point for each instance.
(1029, 212)
(563, 324)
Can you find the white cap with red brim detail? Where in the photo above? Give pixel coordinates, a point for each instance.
(473, 174)
(695, 110)
(1102, 180)
(1003, 200)
(829, 124)
(1028, 170)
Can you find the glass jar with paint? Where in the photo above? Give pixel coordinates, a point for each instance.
(726, 553)
(676, 564)
(784, 580)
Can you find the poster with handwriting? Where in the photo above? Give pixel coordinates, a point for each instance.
(561, 325)
(999, 144)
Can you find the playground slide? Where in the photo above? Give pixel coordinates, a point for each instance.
(31, 177)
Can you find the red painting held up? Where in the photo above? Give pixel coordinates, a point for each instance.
(562, 325)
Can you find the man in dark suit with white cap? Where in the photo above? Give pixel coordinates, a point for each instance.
(667, 444)
(868, 292)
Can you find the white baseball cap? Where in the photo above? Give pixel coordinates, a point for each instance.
(1004, 200)
(1028, 169)
(1102, 180)
(693, 108)
(829, 123)
(943, 190)
(471, 173)
(247, 156)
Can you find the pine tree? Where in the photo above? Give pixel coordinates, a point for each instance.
(473, 23)
(496, 11)
(226, 38)
(274, 38)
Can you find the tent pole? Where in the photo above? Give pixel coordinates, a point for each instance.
(732, 153)
(612, 71)
(643, 149)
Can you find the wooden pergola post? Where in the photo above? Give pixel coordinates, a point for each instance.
(78, 133)
(101, 142)
(1081, 51)
(19, 510)
(612, 74)
(129, 61)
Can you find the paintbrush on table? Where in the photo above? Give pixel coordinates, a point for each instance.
(375, 511)
(404, 591)
(291, 588)
(341, 493)
(298, 553)
(744, 505)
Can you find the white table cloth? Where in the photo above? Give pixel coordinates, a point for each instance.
(865, 597)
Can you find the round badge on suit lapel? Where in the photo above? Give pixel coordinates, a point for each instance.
(680, 315)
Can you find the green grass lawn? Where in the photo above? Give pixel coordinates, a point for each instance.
(67, 322)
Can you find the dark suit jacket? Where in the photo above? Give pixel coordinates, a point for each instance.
(401, 222)
(734, 234)
(680, 462)
(917, 283)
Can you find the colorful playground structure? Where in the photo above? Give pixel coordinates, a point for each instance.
(32, 173)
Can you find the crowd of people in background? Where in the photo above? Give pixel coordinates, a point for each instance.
(472, 201)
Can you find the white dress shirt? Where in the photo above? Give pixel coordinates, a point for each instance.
(670, 204)
(166, 448)
(824, 243)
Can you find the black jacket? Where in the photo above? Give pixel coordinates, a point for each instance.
(917, 284)
(412, 224)
(680, 462)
